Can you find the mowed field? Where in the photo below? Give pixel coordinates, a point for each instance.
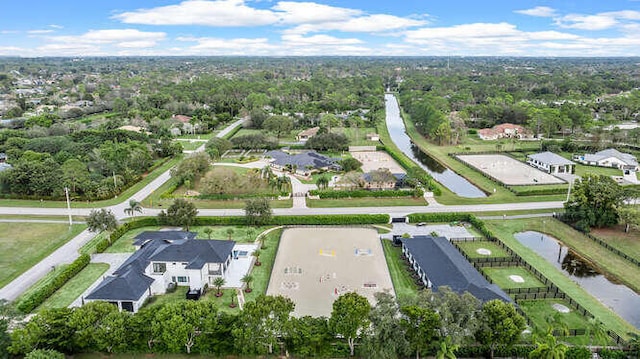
(314, 266)
(24, 244)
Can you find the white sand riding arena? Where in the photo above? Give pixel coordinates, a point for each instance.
(509, 170)
(314, 266)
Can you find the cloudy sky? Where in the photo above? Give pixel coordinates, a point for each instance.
(322, 27)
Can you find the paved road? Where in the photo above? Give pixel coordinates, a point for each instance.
(69, 251)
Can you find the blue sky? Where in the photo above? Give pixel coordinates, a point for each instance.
(322, 27)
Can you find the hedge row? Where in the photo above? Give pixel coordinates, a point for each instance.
(364, 193)
(232, 132)
(124, 228)
(32, 300)
(538, 191)
(231, 196)
(441, 217)
(327, 219)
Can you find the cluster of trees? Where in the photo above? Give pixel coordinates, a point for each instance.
(265, 326)
(598, 201)
(191, 169)
(93, 164)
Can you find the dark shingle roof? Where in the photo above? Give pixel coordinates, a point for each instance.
(445, 266)
(144, 237)
(302, 160)
(195, 252)
(130, 285)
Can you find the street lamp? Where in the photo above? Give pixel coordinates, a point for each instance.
(66, 192)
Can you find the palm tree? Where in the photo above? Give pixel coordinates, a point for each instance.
(322, 182)
(218, 283)
(557, 323)
(596, 332)
(247, 279)
(208, 232)
(548, 349)
(256, 254)
(232, 304)
(134, 206)
(229, 232)
(446, 349)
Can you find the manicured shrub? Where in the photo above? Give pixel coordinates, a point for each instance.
(325, 194)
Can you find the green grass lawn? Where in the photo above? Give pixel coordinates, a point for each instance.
(242, 234)
(190, 146)
(156, 300)
(357, 136)
(74, 288)
(404, 286)
(285, 137)
(22, 245)
(224, 301)
(538, 311)
(629, 243)
(86, 204)
(505, 230)
(500, 276)
(470, 248)
(201, 136)
(366, 202)
(262, 274)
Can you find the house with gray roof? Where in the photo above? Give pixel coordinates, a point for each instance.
(551, 163)
(304, 162)
(164, 259)
(610, 158)
(438, 263)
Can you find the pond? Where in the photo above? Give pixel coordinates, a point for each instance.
(622, 300)
(454, 182)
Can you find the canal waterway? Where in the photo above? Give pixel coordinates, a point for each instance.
(620, 298)
(454, 182)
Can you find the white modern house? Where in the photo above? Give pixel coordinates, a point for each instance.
(164, 259)
(551, 163)
(610, 158)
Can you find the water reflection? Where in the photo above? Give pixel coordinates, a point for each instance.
(457, 184)
(620, 298)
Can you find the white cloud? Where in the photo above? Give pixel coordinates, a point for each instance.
(539, 11)
(36, 32)
(112, 36)
(310, 12)
(56, 26)
(220, 13)
(376, 23)
(587, 22)
(463, 32)
(318, 40)
(220, 46)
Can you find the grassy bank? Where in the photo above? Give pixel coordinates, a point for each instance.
(505, 230)
(404, 286)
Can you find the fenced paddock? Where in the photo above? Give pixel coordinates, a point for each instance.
(314, 266)
(508, 170)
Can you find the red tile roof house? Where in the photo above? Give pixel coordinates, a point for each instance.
(181, 118)
(505, 130)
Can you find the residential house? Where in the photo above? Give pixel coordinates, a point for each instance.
(3, 157)
(304, 163)
(551, 163)
(163, 259)
(378, 180)
(610, 158)
(438, 263)
(303, 136)
(505, 130)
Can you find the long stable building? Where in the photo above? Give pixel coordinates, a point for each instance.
(438, 263)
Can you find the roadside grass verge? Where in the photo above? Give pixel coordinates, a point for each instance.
(403, 284)
(74, 288)
(471, 249)
(505, 230)
(262, 274)
(22, 245)
(500, 276)
(366, 202)
(27, 217)
(105, 203)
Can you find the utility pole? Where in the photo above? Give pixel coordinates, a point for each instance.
(66, 192)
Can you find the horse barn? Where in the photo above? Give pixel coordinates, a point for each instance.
(438, 263)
